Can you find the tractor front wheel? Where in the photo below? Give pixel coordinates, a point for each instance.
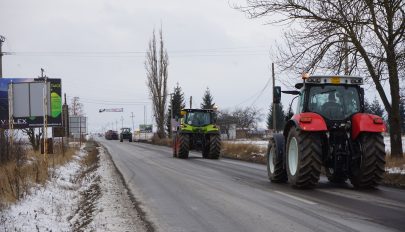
(368, 169)
(183, 147)
(303, 161)
(275, 169)
(214, 149)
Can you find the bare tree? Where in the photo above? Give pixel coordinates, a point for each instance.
(76, 107)
(247, 118)
(156, 73)
(363, 37)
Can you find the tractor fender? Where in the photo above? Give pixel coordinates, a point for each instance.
(307, 121)
(279, 142)
(362, 122)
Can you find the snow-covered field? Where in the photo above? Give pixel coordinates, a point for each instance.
(97, 202)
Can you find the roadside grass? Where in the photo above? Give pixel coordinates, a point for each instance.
(18, 176)
(161, 142)
(247, 152)
(393, 162)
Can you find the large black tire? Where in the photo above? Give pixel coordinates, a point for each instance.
(184, 146)
(275, 168)
(214, 146)
(174, 146)
(303, 163)
(368, 169)
(130, 139)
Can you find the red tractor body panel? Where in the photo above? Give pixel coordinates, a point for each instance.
(362, 122)
(310, 122)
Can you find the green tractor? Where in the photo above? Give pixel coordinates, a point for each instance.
(126, 134)
(197, 131)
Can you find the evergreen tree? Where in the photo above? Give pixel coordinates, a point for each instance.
(376, 108)
(177, 104)
(367, 108)
(207, 100)
(280, 118)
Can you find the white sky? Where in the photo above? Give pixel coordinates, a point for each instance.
(209, 44)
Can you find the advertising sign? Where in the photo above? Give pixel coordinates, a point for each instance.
(78, 125)
(28, 102)
(145, 128)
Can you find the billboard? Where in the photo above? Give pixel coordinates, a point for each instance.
(145, 128)
(78, 125)
(28, 102)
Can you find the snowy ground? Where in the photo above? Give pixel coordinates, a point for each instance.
(97, 201)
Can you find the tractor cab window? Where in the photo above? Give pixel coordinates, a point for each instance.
(198, 118)
(334, 102)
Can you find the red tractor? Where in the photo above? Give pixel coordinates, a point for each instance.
(329, 129)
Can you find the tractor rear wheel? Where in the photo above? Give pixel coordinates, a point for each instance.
(214, 148)
(368, 170)
(303, 161)
(275, 169)
(183, 147)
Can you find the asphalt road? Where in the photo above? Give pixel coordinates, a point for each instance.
(228, 195)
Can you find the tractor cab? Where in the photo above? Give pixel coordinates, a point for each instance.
(335, 98)
(198, 117)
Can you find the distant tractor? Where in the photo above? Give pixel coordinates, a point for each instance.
(197, 131)
(329, 129)
(125, 134)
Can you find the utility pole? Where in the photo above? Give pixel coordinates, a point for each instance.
(191, 102)
(2, 39)
(132, 118)
(274, 104)
(122, 122)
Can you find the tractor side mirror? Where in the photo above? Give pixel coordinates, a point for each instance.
(362, 97)
(276, 94)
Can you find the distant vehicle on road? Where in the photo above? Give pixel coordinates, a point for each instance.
(111, 135)
(125, 134)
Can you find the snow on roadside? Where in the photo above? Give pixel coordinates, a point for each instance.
(115, 210)
(98, 201)
(48, 207)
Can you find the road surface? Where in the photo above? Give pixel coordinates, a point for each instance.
(228, 195)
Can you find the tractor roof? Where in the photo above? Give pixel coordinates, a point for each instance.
(336, 80)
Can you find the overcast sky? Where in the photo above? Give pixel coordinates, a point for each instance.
(97, 48)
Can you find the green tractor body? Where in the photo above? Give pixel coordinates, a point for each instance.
(197, 131)
(126, 134)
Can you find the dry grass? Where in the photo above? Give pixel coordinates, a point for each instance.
(162, 142)
(17, 178)
(392, 162)
(246, 152)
